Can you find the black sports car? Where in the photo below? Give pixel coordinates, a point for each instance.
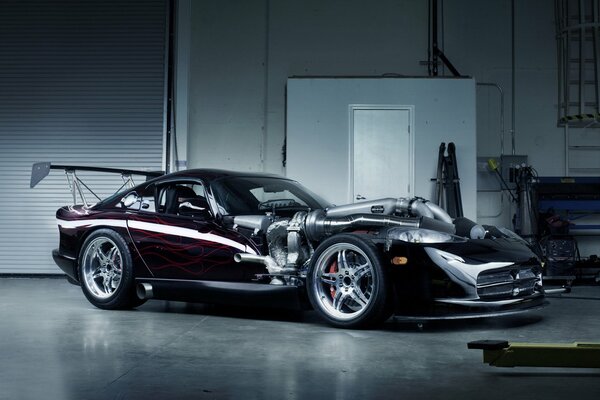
(258, 239)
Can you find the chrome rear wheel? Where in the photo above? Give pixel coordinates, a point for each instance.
(106, 271)
(102, 267)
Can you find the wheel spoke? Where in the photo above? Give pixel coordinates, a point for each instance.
(361, 271)
(342, 260)
(328, 278)
(113, 254)
(106, 284)
(340, 299)
(111, 283)
(98, 272)
(116, 279)
(100, 255)
(359, 297)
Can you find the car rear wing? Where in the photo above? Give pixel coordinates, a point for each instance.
(41, 170)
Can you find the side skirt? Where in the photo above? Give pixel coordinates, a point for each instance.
(229, 293)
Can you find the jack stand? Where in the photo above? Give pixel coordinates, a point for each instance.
(501, 353)
(447, 182)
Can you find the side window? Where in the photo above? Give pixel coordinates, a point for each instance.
(184, 198)
(147, 197)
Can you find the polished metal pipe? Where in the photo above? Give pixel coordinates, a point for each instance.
(144, 291)
(268, 261)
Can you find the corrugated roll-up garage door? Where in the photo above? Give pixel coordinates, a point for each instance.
(81, 82)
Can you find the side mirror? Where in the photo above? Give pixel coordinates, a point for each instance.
(130, 199)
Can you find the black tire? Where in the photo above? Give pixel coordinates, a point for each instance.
(354, 295)
(106, 271)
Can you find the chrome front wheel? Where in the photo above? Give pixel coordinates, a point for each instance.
(346, 282)
(343, 281)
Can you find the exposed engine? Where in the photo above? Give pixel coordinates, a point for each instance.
(290, 240)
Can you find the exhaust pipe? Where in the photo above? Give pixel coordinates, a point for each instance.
(267, 261)
(144, 291)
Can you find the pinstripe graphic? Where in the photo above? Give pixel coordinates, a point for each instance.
(189, 233)
(88, 223)
(159, 228)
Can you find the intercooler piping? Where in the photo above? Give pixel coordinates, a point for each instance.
(416, 207)
(318, 225)
(438, 212)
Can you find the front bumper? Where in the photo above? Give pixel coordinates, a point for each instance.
(66, 263)
(443, 309)
(472, 279)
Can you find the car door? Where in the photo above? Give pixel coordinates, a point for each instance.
(178, 238)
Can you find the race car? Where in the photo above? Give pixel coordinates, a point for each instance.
(215, 236)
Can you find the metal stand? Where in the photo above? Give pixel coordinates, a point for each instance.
(501, 353)
(448, 182)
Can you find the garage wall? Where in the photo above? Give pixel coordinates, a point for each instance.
(81, 82)
(246, 51)
(228, 73)
(243, 53)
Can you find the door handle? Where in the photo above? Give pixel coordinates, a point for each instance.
(360, 197)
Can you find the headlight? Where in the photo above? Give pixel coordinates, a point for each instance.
(421, 236)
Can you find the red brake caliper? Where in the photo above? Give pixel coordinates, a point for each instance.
(333, 270)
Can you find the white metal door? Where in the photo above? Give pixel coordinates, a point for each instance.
(381, 153)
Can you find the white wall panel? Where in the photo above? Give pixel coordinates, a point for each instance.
(81, 82)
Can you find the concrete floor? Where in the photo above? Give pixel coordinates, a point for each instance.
(55, 345)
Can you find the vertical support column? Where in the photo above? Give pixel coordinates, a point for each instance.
(434, 38)
(168, 86)
(567, 74)
(513, 79)
(595, 21)
(182, 82)
(566, 141)
(581, 56)
(559, 56)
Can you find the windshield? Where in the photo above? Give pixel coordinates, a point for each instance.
(260, 195)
